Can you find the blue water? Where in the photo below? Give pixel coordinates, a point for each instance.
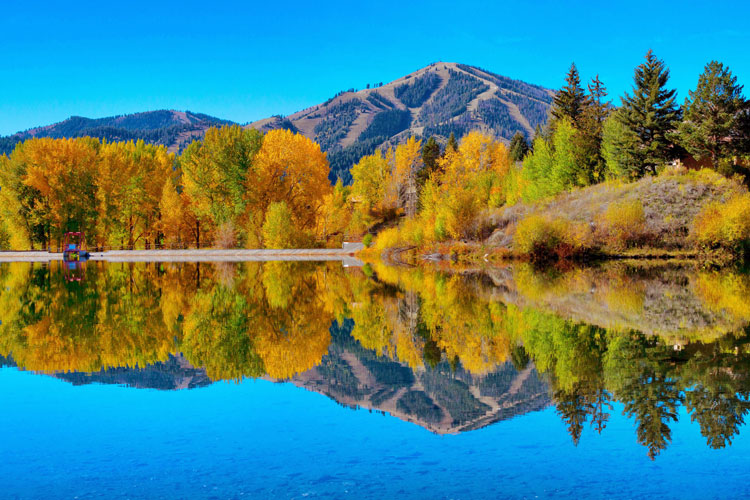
(258, 439)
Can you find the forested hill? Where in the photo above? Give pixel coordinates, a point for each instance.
(436, 100)
(174, 129)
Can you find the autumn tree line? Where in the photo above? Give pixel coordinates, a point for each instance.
(241, 188)
(235, 187)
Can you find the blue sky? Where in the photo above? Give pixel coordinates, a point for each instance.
(247, 60)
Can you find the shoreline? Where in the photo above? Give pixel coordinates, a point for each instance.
(207, 255)
(412, 256)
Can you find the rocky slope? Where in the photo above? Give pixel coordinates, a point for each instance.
(440, 99)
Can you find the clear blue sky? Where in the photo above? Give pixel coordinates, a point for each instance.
(247, 60)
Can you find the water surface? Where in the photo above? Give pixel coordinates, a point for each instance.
(300, 380)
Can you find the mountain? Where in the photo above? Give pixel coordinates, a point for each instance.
(440, 99)
(436, 100)
(174, 129)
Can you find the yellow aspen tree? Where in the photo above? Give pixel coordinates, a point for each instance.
(289, 168)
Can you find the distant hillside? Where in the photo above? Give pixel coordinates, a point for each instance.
(174, 129)
(436, 100)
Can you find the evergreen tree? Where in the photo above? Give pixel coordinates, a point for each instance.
(569, 101)
(518, 147)
(600, 405)
(719, 412)
(452, 142)
(652, 398)
(519, 357)
(430, 155)
(619, 145)
(712, 125)
(650, 113)
(588, 140)
(596, 105)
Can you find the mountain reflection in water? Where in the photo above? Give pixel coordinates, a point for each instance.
(449, 352)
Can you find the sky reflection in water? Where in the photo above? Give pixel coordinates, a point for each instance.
(508, 361)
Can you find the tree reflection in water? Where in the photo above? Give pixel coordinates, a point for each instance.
(449, 351)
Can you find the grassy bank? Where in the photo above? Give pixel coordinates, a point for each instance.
(676, 215)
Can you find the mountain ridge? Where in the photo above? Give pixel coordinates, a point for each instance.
(172, 128)
(436, 100)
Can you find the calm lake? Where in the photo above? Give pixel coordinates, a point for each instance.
(309, 380)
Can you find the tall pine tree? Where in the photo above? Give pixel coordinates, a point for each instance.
(430, 155)
(518, 146)
(712, 126)
(651, 114)
(452, 142)
(590, 127)
(569, 100)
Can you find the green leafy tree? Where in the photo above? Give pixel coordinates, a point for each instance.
(567, 172)
(651, 114)
(537, 170)
(553, 166)
(215, 171)
(712, 125)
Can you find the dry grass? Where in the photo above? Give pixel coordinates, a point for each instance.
(655, 212)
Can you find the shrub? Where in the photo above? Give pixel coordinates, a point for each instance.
(440, 231)
(541, 238)
(367, 240)
(278, 228)
(412, 232)
(724, 225)
(225, 236)
(625, 224)
(388, 238)
(460, 210)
